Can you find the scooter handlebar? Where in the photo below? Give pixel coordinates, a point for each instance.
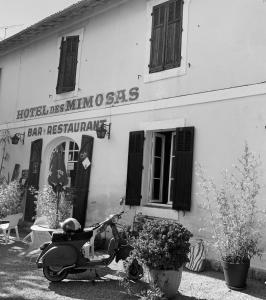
(107, 220)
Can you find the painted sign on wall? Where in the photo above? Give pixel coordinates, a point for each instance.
(65, 128)
(111, 98)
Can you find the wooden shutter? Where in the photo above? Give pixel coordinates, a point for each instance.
(33, 178)
(173, 34)
(157, 38)
(82, 180)
(134, 168)
(67, 65)
(166, 36)
(183, 168)
(61, 67)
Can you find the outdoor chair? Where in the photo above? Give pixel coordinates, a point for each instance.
(13, 224)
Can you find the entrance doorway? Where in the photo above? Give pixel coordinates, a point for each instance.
(71, 153)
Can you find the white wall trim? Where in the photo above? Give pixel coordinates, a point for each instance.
(160, 125)
(136, 107)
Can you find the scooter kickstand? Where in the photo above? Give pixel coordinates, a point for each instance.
(97, 276)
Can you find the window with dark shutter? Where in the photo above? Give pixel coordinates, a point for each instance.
(33, 178)
(66, 80)
(166, 36)
(134, 168)
(184, 145)
(82, 180)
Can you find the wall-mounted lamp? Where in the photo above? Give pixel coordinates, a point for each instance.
(101, 131)
(18, 137)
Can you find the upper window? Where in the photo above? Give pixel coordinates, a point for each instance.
(166, 40)
(67, 69)
(166, 36)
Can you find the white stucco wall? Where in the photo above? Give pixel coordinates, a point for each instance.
(226, 48)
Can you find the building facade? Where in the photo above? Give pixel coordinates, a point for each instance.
(175, 82)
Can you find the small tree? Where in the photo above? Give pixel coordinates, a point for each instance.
(233, 210)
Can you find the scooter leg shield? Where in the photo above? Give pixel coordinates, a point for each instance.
(60, 256)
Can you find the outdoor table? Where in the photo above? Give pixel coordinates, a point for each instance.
(40, 235)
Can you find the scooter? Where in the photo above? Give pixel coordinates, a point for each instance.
(75, 252)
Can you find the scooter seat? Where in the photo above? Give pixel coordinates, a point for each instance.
(63, 237)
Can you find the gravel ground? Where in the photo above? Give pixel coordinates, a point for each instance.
(20, 279)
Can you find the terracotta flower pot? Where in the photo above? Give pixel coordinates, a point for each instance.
(235, 274)
(167, 280)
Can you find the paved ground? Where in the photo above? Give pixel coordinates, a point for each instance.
(20, 279)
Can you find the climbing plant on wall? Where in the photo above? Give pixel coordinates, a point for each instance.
(4, 155)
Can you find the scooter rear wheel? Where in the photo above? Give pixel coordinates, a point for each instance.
(52, 275)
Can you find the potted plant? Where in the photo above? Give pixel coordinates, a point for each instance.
(10, 199)
(46, 205)
(234, 216)
(162, 246)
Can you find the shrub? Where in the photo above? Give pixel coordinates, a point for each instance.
(10, 199)
(162, 244)
(232, 206)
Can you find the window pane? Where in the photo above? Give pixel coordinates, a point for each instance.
(158, 146)
(156, 189)
(71, 144)
(76, 156)
(157, 167)
(173, 168)
(173, 147)
(171, 190)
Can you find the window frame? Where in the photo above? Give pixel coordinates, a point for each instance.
(168, 73)
(64, 95)
(172, 155)
(152, 201)
(162, 158)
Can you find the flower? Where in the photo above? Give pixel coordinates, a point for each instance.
(162, 244)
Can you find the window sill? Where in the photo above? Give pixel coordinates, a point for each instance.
(66, 95)
(158, 205)
(150, 77)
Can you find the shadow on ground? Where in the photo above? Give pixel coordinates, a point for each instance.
(20, 279)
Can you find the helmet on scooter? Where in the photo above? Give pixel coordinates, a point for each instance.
(70, 225)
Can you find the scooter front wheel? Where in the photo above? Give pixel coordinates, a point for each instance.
(52, 275)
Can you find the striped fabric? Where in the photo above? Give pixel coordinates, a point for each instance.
(196, 257)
